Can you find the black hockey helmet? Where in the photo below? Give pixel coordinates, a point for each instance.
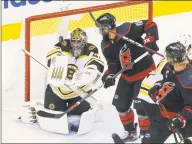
(176, 52)
(106, 20)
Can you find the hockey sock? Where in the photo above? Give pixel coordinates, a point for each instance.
(143, 125)
(127, 120)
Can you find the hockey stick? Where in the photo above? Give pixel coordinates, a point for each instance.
(76, 89)
(125, 38)
(45, 114)
(176, 130)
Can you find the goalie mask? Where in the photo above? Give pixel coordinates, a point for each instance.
(106, 20)
(176, 52)
(78, 40)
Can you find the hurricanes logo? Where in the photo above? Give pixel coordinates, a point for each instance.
(125, 57)
(57, 73)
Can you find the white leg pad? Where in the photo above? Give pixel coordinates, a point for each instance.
(54, 125)
(86, 122)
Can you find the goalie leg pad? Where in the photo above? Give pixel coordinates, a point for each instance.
(54, 125)
(87, 122)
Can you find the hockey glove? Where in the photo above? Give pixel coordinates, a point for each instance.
(108, 80)
(154, 91)
(150, 42)
(179, 122)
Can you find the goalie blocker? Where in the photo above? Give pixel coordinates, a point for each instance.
(72, 63)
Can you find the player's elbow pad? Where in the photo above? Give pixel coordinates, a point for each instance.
(151, 30)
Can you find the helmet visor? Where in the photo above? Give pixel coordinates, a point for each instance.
(171, 59)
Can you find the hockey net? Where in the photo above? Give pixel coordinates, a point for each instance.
(42, 32)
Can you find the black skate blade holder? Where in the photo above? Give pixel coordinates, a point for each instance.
(117, 139)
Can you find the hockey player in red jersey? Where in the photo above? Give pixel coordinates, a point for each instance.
(130, 81)
(174, 95)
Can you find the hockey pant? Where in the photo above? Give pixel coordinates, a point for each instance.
(125, 93)
(159, 131)
(53, 102)
(149, 106)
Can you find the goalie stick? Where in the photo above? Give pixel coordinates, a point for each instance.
(57, 116)
(125, 38)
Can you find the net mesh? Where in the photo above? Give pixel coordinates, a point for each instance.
(44, 34)
(122, 14)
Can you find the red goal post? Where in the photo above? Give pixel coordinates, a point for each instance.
(123, 11)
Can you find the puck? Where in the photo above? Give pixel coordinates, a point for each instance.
(116, 138)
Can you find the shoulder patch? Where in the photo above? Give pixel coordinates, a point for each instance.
(92, 47)
(124, 28)
(185, 79)
(64, 43)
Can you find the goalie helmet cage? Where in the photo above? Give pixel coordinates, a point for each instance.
(123, 11)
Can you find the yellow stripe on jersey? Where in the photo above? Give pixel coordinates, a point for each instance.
(144, 89)
(68, 94)
(83, 56)
(144, 92)
(58, 51)
(146, 86)
(161, 65)
(94, 59)
(53, 50)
